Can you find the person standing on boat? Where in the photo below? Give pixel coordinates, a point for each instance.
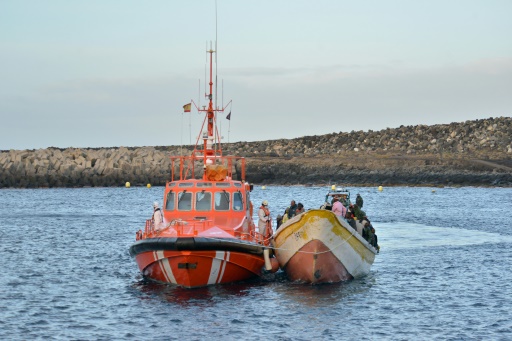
(158, 217)
(359, 201)
(285, 216)
(366, 233)
(292, 209)
(357, 212)
(350, 220)
(300, 209)
(375, 240)
(264, 220)
(338, 208)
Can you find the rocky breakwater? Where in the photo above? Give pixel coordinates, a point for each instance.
(74, 167)
(475, 152)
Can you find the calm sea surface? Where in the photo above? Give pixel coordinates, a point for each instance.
(444, 272)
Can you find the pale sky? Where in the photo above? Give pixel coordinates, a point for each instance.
(104, 73)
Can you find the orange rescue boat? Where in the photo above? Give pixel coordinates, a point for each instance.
(207, 235)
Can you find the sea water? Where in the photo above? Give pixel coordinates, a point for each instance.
(444, 272)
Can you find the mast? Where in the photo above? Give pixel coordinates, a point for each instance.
(208, 142)
(211, 149)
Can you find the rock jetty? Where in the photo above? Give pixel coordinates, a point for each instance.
(477, 152)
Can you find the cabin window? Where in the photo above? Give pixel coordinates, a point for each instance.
(204, 184)
(184, 201)
(238, 203)
(237, 184)
(185, 184)
(169, 202)
(203, 201)
(223, 184)
(222, 201)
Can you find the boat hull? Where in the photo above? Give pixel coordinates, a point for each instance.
(317, 247)
(203, 262)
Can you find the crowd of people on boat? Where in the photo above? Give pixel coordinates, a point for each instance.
(341, 206)
(352, 213)
(291, 211)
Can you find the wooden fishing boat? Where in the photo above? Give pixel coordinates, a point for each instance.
(318, 247)
(207, 235)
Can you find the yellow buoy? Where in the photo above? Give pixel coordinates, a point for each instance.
(127, 184)
(148, 185)
(263, 187)
(333, 187)
(380, 188)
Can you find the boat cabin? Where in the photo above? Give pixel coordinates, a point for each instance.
(341, 193)
(201, 205)
(191, 198)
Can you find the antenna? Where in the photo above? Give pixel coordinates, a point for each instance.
(216, 79)
(216, 90)
(181, 137)
(205, 62)
(216, 36)
(229, 124)
(222, 99)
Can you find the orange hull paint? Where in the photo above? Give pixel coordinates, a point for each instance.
(315, 263)
(199, 268)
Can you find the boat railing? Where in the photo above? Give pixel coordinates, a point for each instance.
(184, 167)
(259, 238)
(149, 228)
(193, 227)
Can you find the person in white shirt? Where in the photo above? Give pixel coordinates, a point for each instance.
(264, 220)
(158, 217)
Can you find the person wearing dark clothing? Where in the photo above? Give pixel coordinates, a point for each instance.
(366, 231)
(357, 212)
(375, 241)
(279, 220)
(350, 220)
(344, 200)
(292, 209)
(350, 211)
(359, 201)
(354, 209)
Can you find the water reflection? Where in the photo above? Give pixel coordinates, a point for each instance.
(324, 295)
(319, 295)
(204, 296)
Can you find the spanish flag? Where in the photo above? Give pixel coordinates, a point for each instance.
(187, 107)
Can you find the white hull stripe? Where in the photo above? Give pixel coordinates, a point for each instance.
(218, 267)
(215, 269)
(226, 260)
(165, 267)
